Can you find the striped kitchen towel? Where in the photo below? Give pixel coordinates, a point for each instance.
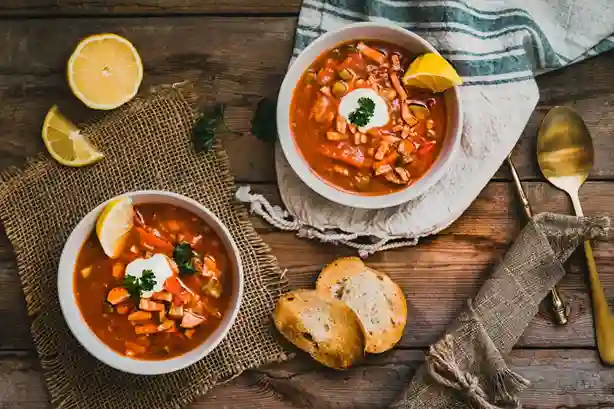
(498, 47)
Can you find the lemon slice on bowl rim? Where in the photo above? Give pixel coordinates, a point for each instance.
(105, 71)
(114, 225)
(65, 142)
(431, 71)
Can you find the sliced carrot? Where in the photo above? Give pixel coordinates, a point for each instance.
(122, 309)
(146, 329)
(118, 295)
(152, 306)
(154, 241)
(119, 271)
(173, 286)
(173, 225)
(139, 316)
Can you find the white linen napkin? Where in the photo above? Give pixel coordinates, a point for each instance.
(498, 47)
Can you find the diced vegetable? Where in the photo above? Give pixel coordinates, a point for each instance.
(176, 312)
(122, 309)
(162, 296)
(148, 305)
(345, 74)
(189, 333)
(157, 243)
(140, 316)
(146, 329)
(173, 286)
(191, 320)
(336, 136)
(213, 287)
(166, 325)
(173, 226)
(118, 295)
(339, 89)
(137, 348)
(398, 87)
(347, 153)
(119, 270)
(371, 53)
(85, 272)
(389, 160)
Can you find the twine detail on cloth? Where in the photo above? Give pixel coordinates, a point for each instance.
(277, 217)
(441, 365)
(466, 368)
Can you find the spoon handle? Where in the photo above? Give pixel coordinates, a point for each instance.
(559, 309)
(604, 325)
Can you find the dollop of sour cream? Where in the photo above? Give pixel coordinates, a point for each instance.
(158, 264)
(349, 103)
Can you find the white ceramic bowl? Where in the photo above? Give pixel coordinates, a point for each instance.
(91, 342)
(364, 31)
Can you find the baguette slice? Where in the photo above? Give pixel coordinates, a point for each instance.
(325, 328)
(376, 299)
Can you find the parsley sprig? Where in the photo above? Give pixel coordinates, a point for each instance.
(208, 126)
(364, 112)
(184, 256)
(137, 285)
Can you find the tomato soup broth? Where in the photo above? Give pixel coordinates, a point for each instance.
(174, 320)
(329, 118)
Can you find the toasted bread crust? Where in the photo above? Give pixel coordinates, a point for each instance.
(322, 326)
(377, 300)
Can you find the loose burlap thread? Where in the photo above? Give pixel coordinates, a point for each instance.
(147, 146)
(466, 368)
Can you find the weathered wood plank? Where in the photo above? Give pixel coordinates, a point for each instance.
(448, 268)
(562, 379)
(236, 61)
(45, 8)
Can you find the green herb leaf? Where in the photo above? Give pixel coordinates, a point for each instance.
(137, 285)
(364, 112)
(184, 257)
(208, 126)
(264, 123)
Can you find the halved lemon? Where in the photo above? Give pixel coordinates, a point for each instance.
(431, 71)
(65, 143)
(114, 224)
(105, 71)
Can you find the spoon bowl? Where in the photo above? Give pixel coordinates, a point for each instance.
(565, 155)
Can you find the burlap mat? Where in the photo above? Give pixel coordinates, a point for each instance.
(147, 146)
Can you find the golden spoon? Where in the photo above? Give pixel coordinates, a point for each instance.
(565, 156)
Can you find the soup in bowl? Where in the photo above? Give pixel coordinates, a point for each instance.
(167, 295)
(353, 131)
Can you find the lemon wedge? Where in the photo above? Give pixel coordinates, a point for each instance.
(431, 71)
(65, 143)
(114, 225)
(105, 71)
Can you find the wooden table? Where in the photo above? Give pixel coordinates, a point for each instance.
(236, 51)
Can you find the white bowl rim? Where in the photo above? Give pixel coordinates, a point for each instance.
(93, 344)
(314, 181)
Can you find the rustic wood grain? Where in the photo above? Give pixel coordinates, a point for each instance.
(560, 379)
(438, 276)
(47, 8)
(236, 61)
